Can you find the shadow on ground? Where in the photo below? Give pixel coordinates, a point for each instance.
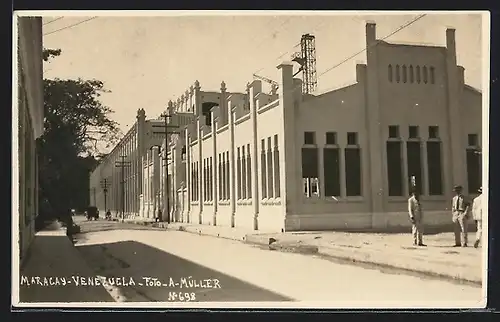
(130, 259)
(47, 273)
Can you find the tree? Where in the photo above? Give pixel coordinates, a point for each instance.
(75, 121)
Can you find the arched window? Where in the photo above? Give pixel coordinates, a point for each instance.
(412, 76)
(389, 70)
(397, 74)
(417, 71)
(404, 74)
(432, 75)
(424, 72)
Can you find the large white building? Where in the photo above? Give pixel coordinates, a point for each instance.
(30, 123)
(340, 160)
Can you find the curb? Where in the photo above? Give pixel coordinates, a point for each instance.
(365, 259)
(339, 254)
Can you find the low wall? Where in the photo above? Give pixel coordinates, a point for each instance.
(434, 221)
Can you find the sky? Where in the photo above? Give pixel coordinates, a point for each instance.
(145, 61)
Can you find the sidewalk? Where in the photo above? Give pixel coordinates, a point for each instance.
(394, 251)
(53, 256)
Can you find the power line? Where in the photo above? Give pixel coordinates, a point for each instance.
(70, 26)
(364, 49)
(54, 20)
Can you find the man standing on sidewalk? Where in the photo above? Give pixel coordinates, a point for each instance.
(459, 210)
(416, 218)
(477, 215)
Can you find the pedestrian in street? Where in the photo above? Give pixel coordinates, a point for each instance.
(459, 210)
(477, 215)
(416, 217)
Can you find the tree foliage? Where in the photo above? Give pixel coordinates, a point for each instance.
(75, 121)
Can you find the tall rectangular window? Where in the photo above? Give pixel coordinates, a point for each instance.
(249, 173)
(219, 176)
(353, 171)
(224, 173)
(243, 173)
(211, 179)
(414, 163)
(228, 182)
(394, 168)
(434, 166)
(473, 170)
(192, 182)
(331, 163)
(238, 173)
(270, 188)
(263, 167)
(277, 184)
(205, 180)
(310, 173)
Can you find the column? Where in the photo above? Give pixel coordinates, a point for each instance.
(232, 171)
(147, 185)
(215, 171)
(290, 187)
(255, 88)
(377, 173)
(156, 180)
(200, 168)
(188, 173)
(191, 93)
(457, 171)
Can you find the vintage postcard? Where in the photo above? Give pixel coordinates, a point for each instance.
(253, 159)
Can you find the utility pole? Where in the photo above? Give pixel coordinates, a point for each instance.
(166, 184)
(123, 164)
(104, 186)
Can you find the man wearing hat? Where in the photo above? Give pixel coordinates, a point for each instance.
(416, 217)
(477, 215)
(459, 210)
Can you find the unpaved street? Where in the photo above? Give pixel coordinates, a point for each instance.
(227, 270)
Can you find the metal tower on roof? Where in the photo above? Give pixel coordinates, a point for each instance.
(306, 58)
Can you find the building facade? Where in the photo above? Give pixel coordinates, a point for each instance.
(30, 123)
(344, 159)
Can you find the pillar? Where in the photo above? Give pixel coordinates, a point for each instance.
(455, 135)
(223, 105)
(255, 88)
(147, 185)
(201, 183)
(141, 138)
(290, 189)
(188, 174)
(156, 180)
(377, 167)
(232, 183)
(215, 171)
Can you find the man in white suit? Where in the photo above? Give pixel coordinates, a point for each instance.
(459, 210)
(477, 215)
(416, 217)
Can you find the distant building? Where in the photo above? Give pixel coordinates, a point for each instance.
(340, 160)
(30, 112)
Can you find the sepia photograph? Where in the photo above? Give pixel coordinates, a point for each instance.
(250, 159)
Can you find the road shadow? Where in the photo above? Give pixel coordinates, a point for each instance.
(138, 261)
